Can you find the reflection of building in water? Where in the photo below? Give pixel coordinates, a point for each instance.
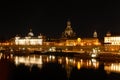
(67, 62)
(112, 43)
(112, 67)
(33, 60)
(88, 64)
(29, 39)
(29, 60)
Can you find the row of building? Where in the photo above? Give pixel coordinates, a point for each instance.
(68, 39)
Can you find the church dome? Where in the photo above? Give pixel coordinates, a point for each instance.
(68, 33)
(30, 33)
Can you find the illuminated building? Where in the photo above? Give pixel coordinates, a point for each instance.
(29, 40)
(71, 42)
(68, 39)
(111, 43)
(90, 41)
(113, 40)
(84, 41)
(68, 33)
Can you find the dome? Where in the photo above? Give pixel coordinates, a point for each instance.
(30, 33)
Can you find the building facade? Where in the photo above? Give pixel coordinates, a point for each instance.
(29, 39)
(111, 43)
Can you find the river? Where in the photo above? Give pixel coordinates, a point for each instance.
(50, 67)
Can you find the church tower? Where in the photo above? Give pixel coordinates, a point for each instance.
(108, 34)
(95, 34)
(68, 33)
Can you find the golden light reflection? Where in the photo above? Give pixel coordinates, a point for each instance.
(113, 67)
(60, 61)
(66, 60)
(39, 60)
(95, 63)
(1, 55)
(78, 65)
(28, 60)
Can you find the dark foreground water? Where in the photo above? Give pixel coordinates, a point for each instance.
(39, 67)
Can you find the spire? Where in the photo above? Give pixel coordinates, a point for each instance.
(68, 24)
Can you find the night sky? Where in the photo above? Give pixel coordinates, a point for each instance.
(49, 17)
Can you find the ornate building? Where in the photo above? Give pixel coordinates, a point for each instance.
(94, 41)
(111, 43)
(68, 33)
(29, 39)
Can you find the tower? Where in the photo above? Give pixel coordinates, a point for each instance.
(68, 33)
(108, 34)
(95, 34)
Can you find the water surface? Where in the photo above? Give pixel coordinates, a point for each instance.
(49, 67)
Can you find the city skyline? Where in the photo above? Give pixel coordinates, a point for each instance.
(59, 34)
(50, 17)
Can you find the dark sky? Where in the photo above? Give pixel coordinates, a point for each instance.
(49, 17)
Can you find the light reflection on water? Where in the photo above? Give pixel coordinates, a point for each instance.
(112, 67)
(67, 62)
(70, 68)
